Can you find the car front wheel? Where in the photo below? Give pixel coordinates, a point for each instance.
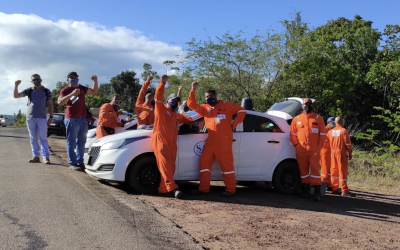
(286, 178)
(144, 176)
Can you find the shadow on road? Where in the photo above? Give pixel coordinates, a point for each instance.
(367, 205)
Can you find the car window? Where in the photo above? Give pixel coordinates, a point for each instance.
(133, 127)
(187, 129)
(58, 117)
(255, 123)
(291, 107)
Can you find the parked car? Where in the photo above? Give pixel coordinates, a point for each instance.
(3, 119)
(287, 108)
(261, 149)
(91, 135)
(57, 127)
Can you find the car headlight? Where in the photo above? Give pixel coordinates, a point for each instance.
(120, 143)
(91, 133)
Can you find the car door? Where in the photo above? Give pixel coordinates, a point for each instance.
(190, 147)
(261, 143)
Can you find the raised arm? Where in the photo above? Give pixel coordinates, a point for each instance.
(180, 95)
(159, 95)
(16, 94)
(95, 88)
(143, 90)
(191, 102)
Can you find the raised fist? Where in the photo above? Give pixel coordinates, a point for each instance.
(195, 85)
(17, 82)
(93, 78)
(149, 78)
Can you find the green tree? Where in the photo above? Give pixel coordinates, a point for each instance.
(236, 66)
(20, 120)
(127, 87)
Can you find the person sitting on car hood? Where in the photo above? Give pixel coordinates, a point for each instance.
(109, 118)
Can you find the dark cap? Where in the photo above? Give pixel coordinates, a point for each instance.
(72, 73)
(307, 100)
(174, 96)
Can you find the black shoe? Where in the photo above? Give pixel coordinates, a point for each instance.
(198, 192)
(317, 193)
(75, 167)
(177, 193)
(336, 192)
(227, 194)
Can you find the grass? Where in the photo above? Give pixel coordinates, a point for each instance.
(374, 172)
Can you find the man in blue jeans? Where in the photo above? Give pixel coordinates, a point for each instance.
(75, 118)
(39, 98)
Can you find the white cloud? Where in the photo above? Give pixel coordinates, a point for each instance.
(30, 44)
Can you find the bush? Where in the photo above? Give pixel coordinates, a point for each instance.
(20, 120)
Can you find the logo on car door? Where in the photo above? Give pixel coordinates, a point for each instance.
(198, 148)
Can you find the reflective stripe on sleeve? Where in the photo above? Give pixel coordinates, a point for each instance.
(348, 144)
(157, 100)
(334, 178)
(305, 176)
(315, 176)
(322, 133)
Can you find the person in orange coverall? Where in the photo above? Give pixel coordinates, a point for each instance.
(326, 159)
(165, 133)
(108, 118)
(340, 144)
(218, 118)
(307, 135)
(144, 107)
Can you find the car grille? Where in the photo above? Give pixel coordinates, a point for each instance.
(93, 155)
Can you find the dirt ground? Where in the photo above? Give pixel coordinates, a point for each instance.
(259, 218)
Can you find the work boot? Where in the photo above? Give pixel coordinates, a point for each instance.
(227, 194)
(323, 188)
(177, 193)
(349, 194)
(337, 191)
(305, 190)
(317, 193)
(34, 159)
(46, 160)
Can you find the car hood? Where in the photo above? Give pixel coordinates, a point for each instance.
(123, 135)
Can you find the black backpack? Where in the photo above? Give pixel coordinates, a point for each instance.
(46, 91)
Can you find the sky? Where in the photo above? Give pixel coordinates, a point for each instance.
(104, 38)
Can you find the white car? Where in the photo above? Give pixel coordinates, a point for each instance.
(261, 150)
(3, 119)
(91, 134)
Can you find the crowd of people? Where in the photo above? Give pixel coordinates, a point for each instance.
(322, 152)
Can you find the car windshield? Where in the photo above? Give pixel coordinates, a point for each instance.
(289, 106)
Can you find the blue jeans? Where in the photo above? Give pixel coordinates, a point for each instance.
(76, 129)
(37, 128)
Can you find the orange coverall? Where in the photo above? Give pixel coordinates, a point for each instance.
(326, 160)
(143, 110)
(218, 144)
(307, 134)
(165, 134)
(340, 144)
(107, 118)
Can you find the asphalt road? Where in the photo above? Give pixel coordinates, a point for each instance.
(51, 207)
